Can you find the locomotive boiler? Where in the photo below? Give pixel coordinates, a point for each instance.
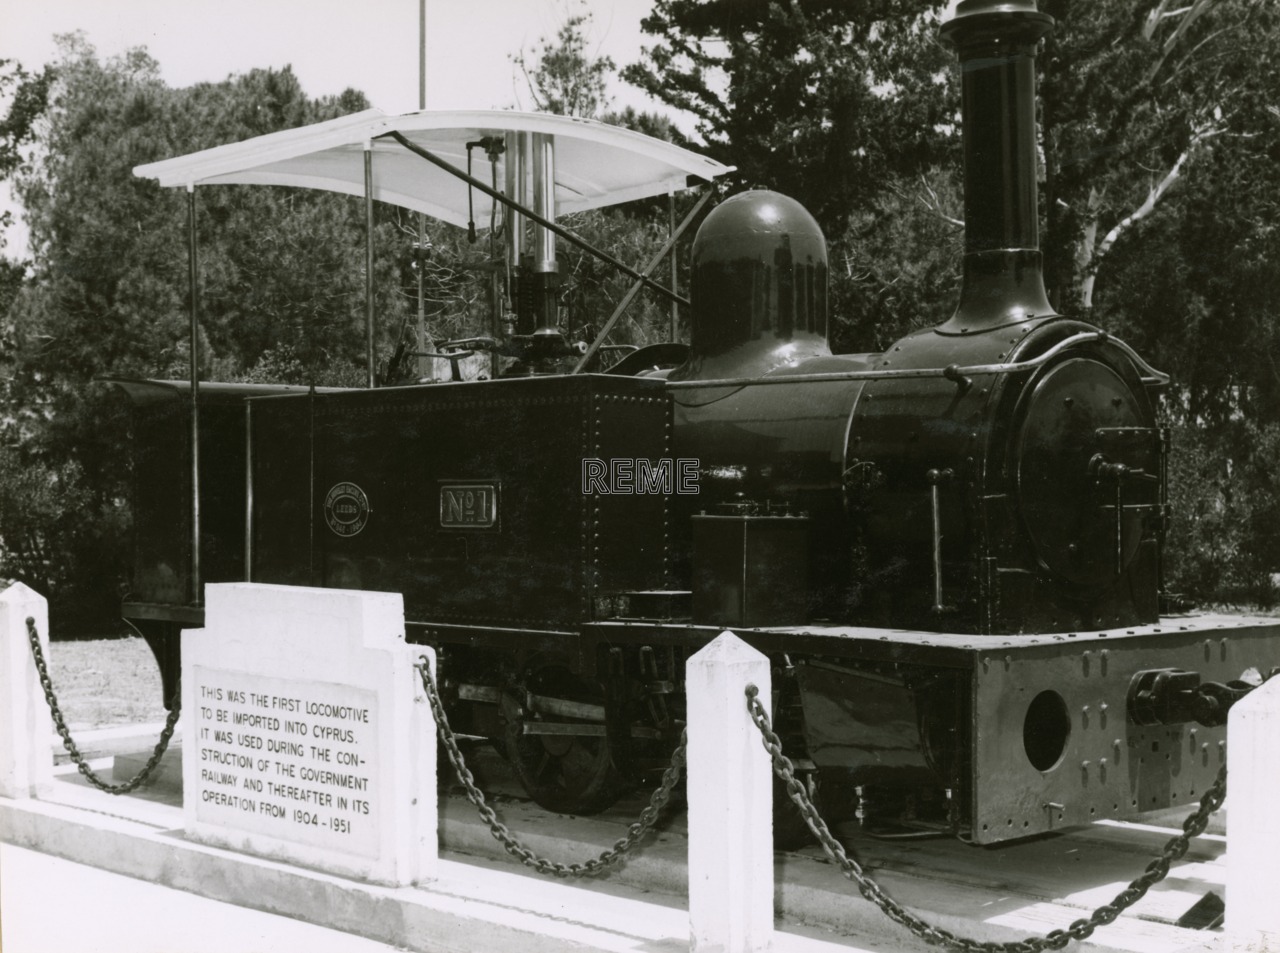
(950, 550)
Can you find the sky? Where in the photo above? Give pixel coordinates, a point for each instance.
(369, 45)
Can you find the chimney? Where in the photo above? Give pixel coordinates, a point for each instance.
(1003, 281)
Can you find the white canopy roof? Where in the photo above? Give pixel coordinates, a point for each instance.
(597, 165)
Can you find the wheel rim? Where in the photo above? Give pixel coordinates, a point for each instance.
(569, 774)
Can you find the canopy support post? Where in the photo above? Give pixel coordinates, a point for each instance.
(193, 281)
(368, 261)
(639, 283)
(420, 258)
(671, 230)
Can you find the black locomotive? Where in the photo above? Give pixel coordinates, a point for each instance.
(951, 550)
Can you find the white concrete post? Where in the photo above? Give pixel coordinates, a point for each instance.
(730, 792)
(26, 759)
(1253, 823)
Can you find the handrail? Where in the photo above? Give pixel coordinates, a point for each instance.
(952, 372)
(635, 288)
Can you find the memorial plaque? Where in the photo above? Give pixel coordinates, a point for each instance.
(287, 758)
(306, 735)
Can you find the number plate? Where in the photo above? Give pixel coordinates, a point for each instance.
(469, 506)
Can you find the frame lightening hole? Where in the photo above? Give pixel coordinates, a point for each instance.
(1045, 730)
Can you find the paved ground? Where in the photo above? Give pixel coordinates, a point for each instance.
(55, 906)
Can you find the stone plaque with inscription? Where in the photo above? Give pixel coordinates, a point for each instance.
(307, 737)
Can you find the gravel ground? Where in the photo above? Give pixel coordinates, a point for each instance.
(106, 682)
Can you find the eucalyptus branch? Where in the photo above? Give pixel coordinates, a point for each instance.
(1154, 195)
(1193, 13)
(933, 203)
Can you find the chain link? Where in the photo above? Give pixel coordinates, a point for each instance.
(635, 832)
(1081, 929)
(67, 742)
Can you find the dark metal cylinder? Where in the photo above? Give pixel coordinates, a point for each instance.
(758, 289)
(1003, 281)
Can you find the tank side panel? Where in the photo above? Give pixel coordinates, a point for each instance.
(470, 499)
(222, 490)
(161, 498)
(282, 525)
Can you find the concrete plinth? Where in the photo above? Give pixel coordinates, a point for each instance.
(306, 733)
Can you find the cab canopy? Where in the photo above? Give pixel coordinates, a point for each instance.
(596, 165)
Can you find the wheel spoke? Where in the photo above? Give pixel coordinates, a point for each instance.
(565, 773)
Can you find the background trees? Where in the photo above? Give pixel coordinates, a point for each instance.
(1161, 164)
(1161, 143)
(105, 293)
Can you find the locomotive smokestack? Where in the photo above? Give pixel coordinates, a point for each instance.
(1003, 280)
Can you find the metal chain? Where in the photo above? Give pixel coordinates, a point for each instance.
(1175, 849)
(635, 832)
(81, 764)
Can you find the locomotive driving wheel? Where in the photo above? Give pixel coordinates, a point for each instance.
(557, 743)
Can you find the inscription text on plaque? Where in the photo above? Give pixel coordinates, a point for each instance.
(288, 758)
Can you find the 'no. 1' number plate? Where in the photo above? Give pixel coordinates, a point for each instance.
(468, 505)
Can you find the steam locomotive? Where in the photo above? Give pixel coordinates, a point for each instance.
(950, 550)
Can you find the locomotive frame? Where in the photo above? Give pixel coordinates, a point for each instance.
(950, 551)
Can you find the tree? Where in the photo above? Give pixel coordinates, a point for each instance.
(281, 287)
(1134, 97)
(896, 268)
(1161, 145)
(561, 76)
(564, 78)
(822, 100)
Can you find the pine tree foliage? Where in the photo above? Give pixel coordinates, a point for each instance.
(825, 101)
(561, 74)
